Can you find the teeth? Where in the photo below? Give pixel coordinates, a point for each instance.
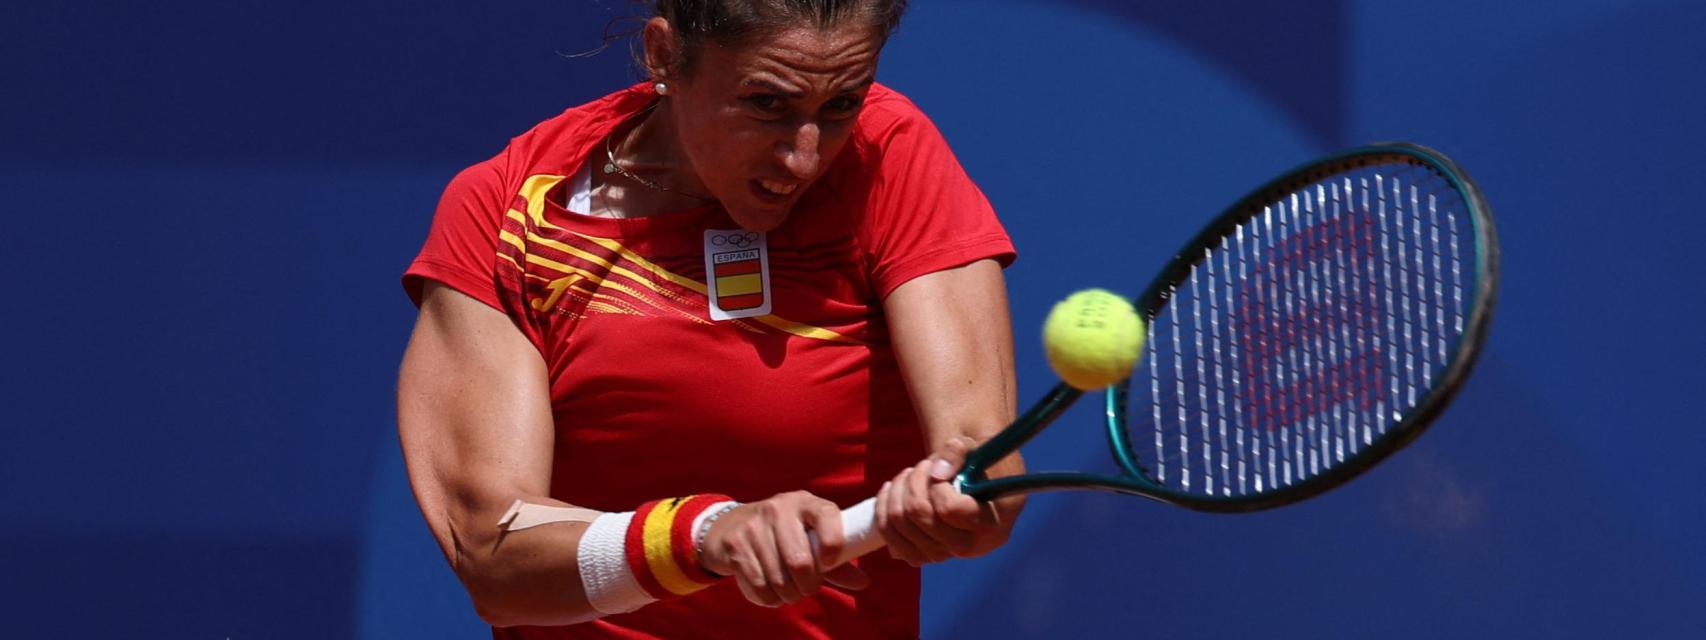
(777, 187)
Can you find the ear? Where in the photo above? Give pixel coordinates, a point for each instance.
(663, 52)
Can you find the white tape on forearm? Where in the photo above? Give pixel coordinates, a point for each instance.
(605, 577)
(523, 515)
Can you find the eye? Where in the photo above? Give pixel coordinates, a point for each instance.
(844, 103)
(764, 103)
(842, 107)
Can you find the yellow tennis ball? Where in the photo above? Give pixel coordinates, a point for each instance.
(1093, 338)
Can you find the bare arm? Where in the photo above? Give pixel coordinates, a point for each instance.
(954, 342)
(474, 416)
(473, 409)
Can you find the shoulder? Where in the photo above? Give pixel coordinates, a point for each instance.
(889, 115)
(560, 143)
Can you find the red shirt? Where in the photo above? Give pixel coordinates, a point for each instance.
(654, 398)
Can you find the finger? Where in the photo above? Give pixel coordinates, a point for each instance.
(950, 458)
(935, 539)
(749, 574)
(761, 596)
(958, 512)
(763, 539)
(917, 503)
(882, 509)
(825, 522)
(796, 553)
(893, 516)
(848, 576)
(917, 517)
(917, 548)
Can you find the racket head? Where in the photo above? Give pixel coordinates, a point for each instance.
(1285, 360)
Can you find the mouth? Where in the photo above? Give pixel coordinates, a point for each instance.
(773, 191)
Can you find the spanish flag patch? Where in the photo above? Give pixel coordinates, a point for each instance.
(737, 273)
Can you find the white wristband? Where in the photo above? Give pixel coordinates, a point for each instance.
(608, 582)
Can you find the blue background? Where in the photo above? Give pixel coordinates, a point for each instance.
(206, 207)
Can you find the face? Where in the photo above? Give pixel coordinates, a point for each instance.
(760, 123)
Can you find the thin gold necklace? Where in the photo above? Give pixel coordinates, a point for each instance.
(611, 166)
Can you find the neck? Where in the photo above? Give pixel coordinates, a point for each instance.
(653, 149)
(648, 148)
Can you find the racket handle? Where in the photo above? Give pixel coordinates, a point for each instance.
(859, 530)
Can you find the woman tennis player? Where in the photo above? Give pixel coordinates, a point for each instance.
(663, 335)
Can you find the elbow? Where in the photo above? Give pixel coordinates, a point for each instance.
(493, 614)
(498, 613)
(494, 606)
(512, 601)
(501, 615)
(485, 592)
(515, 586)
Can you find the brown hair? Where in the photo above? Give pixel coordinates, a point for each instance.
(733, 23)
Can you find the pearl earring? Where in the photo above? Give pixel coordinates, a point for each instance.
(662, 88)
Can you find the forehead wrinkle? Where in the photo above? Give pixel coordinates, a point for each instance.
(825, 60)
(791, 79)
(795, 85)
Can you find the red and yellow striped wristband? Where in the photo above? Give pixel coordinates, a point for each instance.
(660, 548)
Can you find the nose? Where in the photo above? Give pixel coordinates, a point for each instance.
(800, 153)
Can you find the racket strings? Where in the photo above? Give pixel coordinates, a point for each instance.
(1304, 334)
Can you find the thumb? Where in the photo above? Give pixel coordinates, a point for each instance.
(848, 576)
(949, 458)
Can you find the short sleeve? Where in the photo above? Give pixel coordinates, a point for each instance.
(461, 248)
(925, 213)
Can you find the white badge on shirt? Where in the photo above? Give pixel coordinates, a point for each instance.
(737, 273)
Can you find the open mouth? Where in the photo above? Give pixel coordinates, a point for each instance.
(773, 192)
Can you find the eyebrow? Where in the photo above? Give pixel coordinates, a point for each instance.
(771, 87)
(777, 89)
(862, 84)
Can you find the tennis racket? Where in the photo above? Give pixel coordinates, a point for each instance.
(1314, 328)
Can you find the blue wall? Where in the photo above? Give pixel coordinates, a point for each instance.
(206, 206)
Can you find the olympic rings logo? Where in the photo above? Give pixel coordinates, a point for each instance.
(737, 239)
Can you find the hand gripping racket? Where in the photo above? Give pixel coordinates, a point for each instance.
(1314, 328)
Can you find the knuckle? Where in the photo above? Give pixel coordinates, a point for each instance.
(918, 508)
(752, 575)
(748, 529)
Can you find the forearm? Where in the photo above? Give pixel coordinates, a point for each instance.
(955, 347)
(621, 561)
(525, 577)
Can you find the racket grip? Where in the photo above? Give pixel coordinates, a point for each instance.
(859, 530)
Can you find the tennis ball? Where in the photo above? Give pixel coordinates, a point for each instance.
(1093, 338)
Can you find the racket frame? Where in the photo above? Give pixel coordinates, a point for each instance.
(1133, 479)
